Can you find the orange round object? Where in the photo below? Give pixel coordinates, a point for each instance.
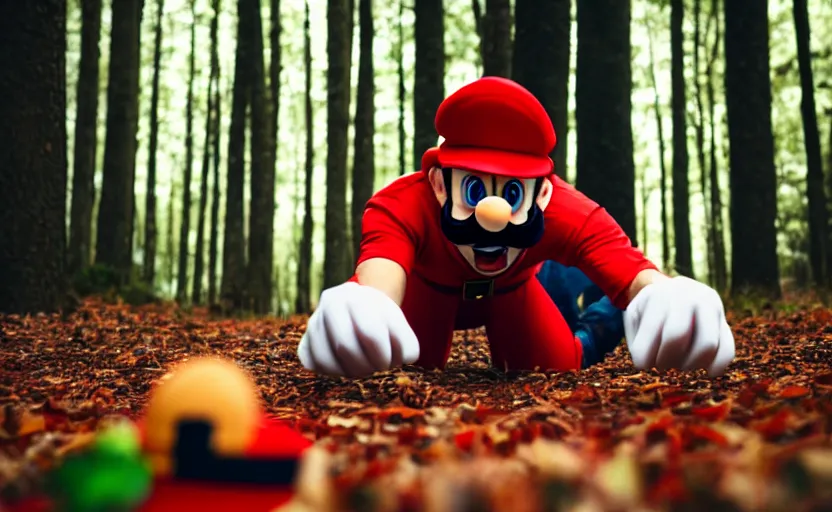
(206, 388)
(493, 213)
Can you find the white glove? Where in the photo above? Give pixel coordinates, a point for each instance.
(357, 330)
(679, 323)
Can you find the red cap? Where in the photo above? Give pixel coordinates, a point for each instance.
(495, 126)
(430, 159)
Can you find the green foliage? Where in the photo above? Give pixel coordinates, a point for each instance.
(104, 281)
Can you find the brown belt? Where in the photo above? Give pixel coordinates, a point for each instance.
(472, 290)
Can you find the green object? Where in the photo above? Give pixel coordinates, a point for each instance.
(111, 476)
(121, 438)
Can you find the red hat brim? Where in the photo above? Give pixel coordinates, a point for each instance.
(496, 162)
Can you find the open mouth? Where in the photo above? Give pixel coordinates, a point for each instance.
(490, 259)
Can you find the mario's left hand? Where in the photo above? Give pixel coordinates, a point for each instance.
(679, 323)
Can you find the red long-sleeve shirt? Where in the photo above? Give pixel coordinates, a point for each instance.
(402, 223)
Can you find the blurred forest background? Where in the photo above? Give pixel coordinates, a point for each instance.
(221, 152)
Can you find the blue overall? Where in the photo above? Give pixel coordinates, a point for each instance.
(598, 324)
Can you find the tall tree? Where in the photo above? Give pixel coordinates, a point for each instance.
(208, 157)
(213, 245)
(603, 85)
(170, 244)
(429, 71)
(542, 33)
(86, 124)
(185, 226)
(818, 215)
(114, 243)
(339, 37)
(681, 187)
(33, 156)
(199, 252)
(261, 214)
(699, 126)
(662, 162)
(754, 265)
(402, 90)
(363, 165)
(477, 8)
(303, 302)
(275, 67)
(208, 149)
(234, 249)
(496, 38)
(150, 230)
(717, 232)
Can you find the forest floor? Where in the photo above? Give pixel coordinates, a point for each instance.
(607, 438)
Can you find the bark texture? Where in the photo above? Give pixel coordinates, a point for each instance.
(603, 85)
(542, 34)
(429, 81)
(33, 156)
(754, 265)
(363, 166)
(337, 248)
(114, 245)
(86, 138)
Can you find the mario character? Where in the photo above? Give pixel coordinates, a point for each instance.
(458, 245)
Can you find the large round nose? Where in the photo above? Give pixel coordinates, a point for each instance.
(493, 213)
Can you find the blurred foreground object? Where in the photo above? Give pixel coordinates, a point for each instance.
(112, 475)
(204, 444)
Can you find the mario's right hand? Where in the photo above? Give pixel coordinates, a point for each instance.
(355, 331)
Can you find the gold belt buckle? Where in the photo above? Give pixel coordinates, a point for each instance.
(478, 289)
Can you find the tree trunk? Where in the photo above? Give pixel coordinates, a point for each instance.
(185, 226)
(815, 194)
(402, 92)
(662, 150)
(33, 156)
(199, 255)
(363, 166)
(717, 232)
(477, 8)
(645, 201)
(86, 124)
(234, 249)
(297, 194)
(115, 210)
(754, 266)
(681, 187)
(215, 155)
(542, 33)
(170, 245)
(429, 74)
(603, 84)
(261, 214)
(275, 67)
(199, 252)
(829, 151)
(496, 38)
(337, 248)
(150, 230)
(700, 130)
(303, 302)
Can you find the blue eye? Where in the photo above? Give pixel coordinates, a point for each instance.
(514, 192)
(473, 190)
